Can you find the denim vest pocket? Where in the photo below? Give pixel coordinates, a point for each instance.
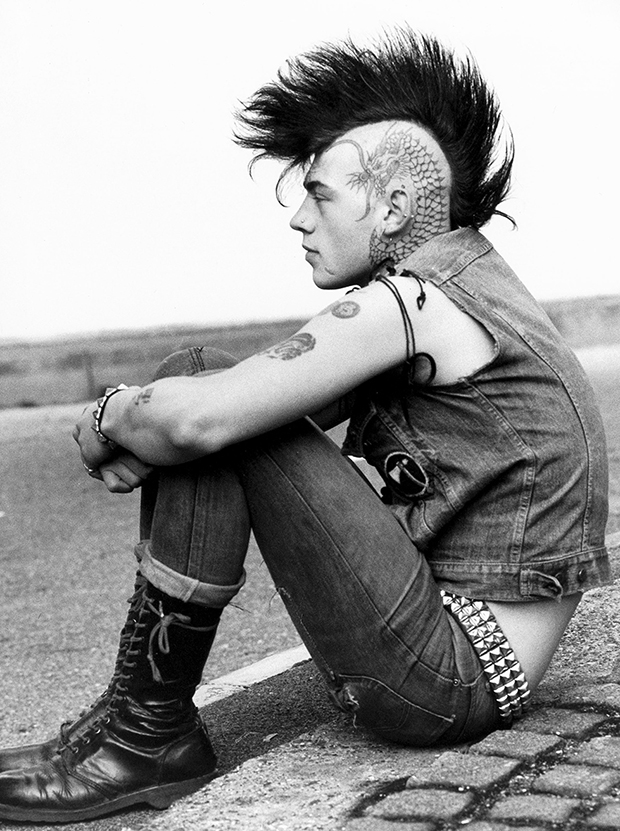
(407, 470)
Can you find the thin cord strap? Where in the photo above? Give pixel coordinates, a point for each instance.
(420, 301)
(412, 357)
(422, 295)
(409, 336)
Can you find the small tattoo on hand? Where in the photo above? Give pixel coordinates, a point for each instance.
(143, 397)
(292, 347)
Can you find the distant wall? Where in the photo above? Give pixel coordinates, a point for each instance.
(74, 369)
(63, 371)
(587, 321)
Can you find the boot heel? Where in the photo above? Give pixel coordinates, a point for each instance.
(164, 796)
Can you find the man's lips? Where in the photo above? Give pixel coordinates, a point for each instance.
(310, 252)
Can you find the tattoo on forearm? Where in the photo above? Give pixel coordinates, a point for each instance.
(291, 348)
(143, 397)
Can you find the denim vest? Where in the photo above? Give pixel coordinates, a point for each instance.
(500, 478)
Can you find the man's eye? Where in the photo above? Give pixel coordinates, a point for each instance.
(319, 195)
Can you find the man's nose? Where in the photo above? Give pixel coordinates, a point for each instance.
(299, 221)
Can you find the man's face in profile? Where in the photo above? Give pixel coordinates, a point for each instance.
(335, 220)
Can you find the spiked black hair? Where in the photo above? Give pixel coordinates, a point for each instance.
(405, 76)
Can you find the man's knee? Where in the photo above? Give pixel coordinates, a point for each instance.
(192, 361)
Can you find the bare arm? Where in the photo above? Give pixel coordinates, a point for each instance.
(174, 420)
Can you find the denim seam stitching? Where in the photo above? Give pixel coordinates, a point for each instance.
(358, 677)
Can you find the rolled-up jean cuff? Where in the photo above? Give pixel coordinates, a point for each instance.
(187, 589)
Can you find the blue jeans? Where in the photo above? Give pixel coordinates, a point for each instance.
(358, 591)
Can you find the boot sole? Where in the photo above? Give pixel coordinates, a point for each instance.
(160, 797)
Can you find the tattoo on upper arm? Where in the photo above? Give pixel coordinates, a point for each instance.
(291, 348)
(342, 309)
(143, 397)
(345, 308)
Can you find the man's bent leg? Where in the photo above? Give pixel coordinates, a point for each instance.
(194, 522)
(361, 595)
(199, 533)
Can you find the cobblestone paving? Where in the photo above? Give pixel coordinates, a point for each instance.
(558, 769)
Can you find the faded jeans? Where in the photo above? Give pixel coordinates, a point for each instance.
(358, 591)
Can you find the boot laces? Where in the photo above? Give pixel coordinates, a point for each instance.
(160, 633)
(131, 638)
(124, 642)
(117, 688)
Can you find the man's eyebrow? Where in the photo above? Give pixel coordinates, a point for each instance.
(312, 185)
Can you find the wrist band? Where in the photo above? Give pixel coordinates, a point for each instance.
(98, 414)
(503, 670)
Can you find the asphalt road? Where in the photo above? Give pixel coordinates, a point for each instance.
(66, 552)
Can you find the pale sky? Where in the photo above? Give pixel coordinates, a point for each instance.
(124, 202)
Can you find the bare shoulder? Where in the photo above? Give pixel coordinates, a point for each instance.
(459, 344)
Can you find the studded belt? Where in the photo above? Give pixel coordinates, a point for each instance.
(500, 664)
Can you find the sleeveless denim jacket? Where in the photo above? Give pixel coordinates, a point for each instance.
(500, 479)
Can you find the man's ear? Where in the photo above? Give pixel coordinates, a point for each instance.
(398, 210)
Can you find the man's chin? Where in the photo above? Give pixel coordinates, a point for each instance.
(321, 282)
(325, 280)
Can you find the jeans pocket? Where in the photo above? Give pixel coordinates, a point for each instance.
(380, 709)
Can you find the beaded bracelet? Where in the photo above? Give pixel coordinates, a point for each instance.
(98, 414)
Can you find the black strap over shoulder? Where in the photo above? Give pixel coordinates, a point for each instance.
(412, 356)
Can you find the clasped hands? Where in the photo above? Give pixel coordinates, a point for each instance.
(118, 469)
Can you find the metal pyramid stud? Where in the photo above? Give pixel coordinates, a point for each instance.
(500, 664)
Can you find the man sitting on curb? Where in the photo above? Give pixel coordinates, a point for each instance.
(432, 611)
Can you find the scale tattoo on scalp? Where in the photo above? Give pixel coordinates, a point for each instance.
(400, 154)
(291, 348)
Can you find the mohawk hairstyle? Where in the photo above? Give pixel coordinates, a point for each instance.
(322, 94)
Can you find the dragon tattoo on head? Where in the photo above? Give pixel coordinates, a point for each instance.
(400, 154)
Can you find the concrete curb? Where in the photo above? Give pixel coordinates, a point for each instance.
(246, 677)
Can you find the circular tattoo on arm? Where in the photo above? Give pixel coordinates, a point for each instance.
(345, 308)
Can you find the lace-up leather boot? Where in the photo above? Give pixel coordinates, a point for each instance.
(143, 741)
(32, 755)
